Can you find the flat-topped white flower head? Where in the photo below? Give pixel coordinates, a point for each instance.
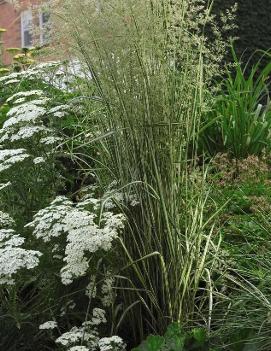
(50, 140)
(25, 94)
(113, 343)
(22, 133)
(10, 157)
(59, 111)
(87, 333)
(38, 160)
(26, 112)
(6, 221)
(79, 348)
(75, 336)
(49, 325)
(83, 234)
(13, 257)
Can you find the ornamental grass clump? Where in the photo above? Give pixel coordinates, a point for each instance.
(152, 66)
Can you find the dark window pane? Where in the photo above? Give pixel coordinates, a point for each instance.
(27, 39)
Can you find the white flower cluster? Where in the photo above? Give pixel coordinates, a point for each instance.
(114, 343)
(76, 335)
(54, 73)
(59, 111)
(110, 200)
(38, 160)
(24, 95)
(26, 112)
(50, 140)
(84, 236)
(98, 317)
(79, 348)
(32, 74)
(49, 222)
(114, 196)
(10, 157)
(27, 124)
(29, 114)
(6, 221)
(49, 325)
(13, 257)
(88, 335)
(25, 118)
(87, 332)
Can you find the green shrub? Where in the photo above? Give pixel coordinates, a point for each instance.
(57, 253)
(176, 339)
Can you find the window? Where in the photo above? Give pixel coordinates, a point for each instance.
(35, 28)
(44, 23)
(26, 28)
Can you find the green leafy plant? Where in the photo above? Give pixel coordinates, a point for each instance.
(38, 123)
(176, 339)
(241, 319)
(240, 119)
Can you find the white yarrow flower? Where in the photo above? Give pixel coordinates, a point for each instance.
(59, 111)
(73, 336)
(25, 132)
(79, 348)
(50, 140)
(13, 258)
(98, 316)
(10, 157)
(84, 237)
(25, 94)
(38, 160)
(12, 81)
(5, 220)
(49, 325)
(27, 112)
(113, 343)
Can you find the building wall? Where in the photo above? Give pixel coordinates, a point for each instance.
(10, 19)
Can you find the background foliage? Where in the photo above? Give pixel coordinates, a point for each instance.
(253, 22)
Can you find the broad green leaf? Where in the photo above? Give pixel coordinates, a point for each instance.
(199, 334)
(152, 343)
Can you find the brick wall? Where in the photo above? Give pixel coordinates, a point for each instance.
(10, 20)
